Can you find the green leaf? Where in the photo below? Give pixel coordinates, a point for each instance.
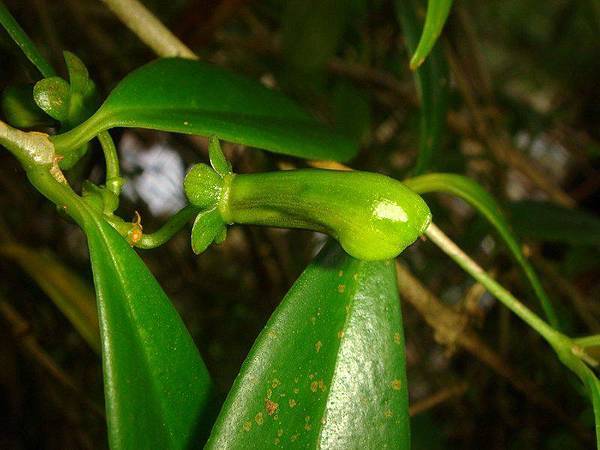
(328, 370)
(437, 13)
(550, 222)
(471, 192)
(157, 388)
(193, 97)
(68, 292)
(431, 79)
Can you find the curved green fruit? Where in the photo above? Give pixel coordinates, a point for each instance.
(372, 216)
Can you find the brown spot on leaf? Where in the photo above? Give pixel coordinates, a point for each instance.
(396, 385)
(271, 407)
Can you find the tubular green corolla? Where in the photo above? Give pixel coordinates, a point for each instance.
(372, 216)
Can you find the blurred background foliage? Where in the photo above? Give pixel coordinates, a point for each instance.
(524, 109)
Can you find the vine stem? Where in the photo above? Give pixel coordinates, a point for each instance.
(438, 237)
(149, 29)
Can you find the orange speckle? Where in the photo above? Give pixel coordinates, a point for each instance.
(388, 413)
(314, 386)
(340, 334)
(322, 385)
(271, 407)
(292, 402)
(275, 383)
(318, 346)
(341, 288)
(259, 418)
(340, 273)
(296, 390)
(280, 432)
(396, 385)
(247, 425)
(294, 437)
(397, 338)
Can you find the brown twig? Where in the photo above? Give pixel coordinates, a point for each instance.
(21, 331)
(438, 398)
(451, 329)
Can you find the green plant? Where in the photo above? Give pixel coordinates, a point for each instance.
(329, 369)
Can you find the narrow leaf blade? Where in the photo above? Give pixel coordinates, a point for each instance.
(437, 13)
(193, 97)
(471, 192)
(431, 80)
(328, 370)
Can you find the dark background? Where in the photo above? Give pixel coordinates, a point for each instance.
(532, 70)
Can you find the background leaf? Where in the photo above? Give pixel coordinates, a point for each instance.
(431, 79)
(550, 222)
(68, 292)
(328, 370)
(157, 388)
(193, 97)
(471, 192)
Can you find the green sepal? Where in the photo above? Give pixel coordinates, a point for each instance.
(208, 228)
(71, 103)
(52, 96)
(217, 158)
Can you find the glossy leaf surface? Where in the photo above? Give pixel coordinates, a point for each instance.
(68, 292)
(431, 79)
(550, 222)
(193, 97)
(328, 370)
(437, 13)
(471, 192)
(157, 388)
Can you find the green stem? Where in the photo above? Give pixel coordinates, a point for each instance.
(553, 337)
(22, 40)
(159, 237)
(168, 230)
(588, 341)
(114, 182)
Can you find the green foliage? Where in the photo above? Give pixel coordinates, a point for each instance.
(208, 100)
(20, 110)
(328, 370)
